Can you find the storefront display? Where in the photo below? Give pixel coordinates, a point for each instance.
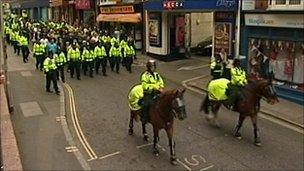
(282, 60)
(154, 25)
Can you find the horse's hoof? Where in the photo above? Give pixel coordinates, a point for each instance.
(174, 161)
(156, 153)
(238, 136)
(146, 138)
(257, 143)
(131, 132)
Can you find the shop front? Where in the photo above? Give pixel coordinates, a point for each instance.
(125, 18)
(274, 46)
(37, 8)
(168, 26)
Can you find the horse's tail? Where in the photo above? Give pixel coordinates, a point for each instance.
(205, 105)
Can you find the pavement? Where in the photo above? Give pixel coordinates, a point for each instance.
(40, 138)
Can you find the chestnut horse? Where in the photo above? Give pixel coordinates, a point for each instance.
(247, 105)
(169, 105)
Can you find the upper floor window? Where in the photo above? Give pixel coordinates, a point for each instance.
(294, 2)
(280, 2)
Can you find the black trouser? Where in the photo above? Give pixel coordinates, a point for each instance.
(75, 65)
(112, 63)
(88, 65)
(97, 64)
(25, 53)
(16, 47)
(104, 65)
(51, 77)
(128, 63)
(7, 37)
(117, 61)
(147, 101)
(60, 71)
(39, 61)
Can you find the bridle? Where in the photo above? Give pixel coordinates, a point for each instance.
(179, 105)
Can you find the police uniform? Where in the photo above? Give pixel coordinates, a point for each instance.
(115, 57)
(24, 48)
(129, 54)
(38, 50)
(75, 60)
(101, 59)
(88, 57)
(60, 60)
(49, 67)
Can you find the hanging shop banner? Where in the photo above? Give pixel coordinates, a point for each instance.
(222, 37)
(180, 31)
(154, 26)
(117, 9)
(82, 4)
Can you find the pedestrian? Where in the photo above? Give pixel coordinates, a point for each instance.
(49, 67)
(129, 54)
(74, 59)
(115, 55)
(60, 60)
(52, 46)
(38, 51)
(101, 58)
(24, 48)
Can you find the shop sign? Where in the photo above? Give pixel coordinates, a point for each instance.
(275, 20)
(117, 9)
(82, 4)
(222, 37)
(226, 3)
(248, 5)
(169, 5)
(154, 28)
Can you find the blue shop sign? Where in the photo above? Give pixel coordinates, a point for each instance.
(217, 5)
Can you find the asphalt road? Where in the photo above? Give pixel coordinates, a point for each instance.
(103, 113)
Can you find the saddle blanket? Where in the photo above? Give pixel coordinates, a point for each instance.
(136, 93)
(217, 89)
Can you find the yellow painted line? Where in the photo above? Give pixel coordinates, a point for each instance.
(109, 155)
(76, 125)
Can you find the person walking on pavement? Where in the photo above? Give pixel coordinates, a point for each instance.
(60, 60)
(152, 84)
(115, 55)
(101, 58)
(38, 50)
(74, 59)
(24, 48)
(49, 67)
(129, 54)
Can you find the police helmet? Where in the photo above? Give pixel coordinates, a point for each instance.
(151, 63)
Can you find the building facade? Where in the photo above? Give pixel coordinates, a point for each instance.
(272, 43)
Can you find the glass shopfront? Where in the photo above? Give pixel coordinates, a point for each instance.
(281, 60)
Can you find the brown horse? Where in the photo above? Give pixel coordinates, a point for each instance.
(162, 113)
(248, 104)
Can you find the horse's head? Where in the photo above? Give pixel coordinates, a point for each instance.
(266, 90)
(178, 105)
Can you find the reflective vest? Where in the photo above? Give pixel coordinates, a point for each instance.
(123, 44)
(151, 81)
(49, 65)
(38, 49)
(100, 52)
(23, 41)
(238, 76)
(136, 93)
(129, 51)
(60, 59)
(87, 55)
(106, 39)
(74, 55)
(217, 89)
(115, 52)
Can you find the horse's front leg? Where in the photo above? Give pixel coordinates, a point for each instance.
(144, 132)
(169, 131)
(131, 132)
(237, 129)
(155, 141)
(256, 132)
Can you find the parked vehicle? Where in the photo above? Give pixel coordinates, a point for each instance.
(204, 47)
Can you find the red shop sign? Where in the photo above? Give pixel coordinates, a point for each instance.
(169, 5)
(82, 4)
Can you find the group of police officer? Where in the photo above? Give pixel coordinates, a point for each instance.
(56, 45)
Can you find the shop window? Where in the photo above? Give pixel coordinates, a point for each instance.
(281, 60)
(280, 2)
(294, 2)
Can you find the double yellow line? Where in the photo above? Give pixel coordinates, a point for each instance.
(76, 124)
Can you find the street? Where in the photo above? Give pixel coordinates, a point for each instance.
(100, 140)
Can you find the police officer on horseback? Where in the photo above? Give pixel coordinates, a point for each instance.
(238, 80)
(152, 84)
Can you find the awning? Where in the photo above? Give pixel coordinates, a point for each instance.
(126, 18)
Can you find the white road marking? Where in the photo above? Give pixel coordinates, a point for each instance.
(72, 150)
(189, 68)
(183, 164)
(70, 147)
(109, 155)
(206, 168)
(144, 145)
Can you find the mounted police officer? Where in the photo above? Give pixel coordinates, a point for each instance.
(152, 84)
(238, 80)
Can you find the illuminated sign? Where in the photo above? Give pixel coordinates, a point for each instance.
(117, 9)
(169, 5)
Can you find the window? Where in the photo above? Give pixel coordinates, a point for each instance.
(294, 2)
(280, 2)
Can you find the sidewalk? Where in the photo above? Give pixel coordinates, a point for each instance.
(284, 110)
(40, 138)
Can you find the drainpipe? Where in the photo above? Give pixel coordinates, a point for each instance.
(238, 33)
